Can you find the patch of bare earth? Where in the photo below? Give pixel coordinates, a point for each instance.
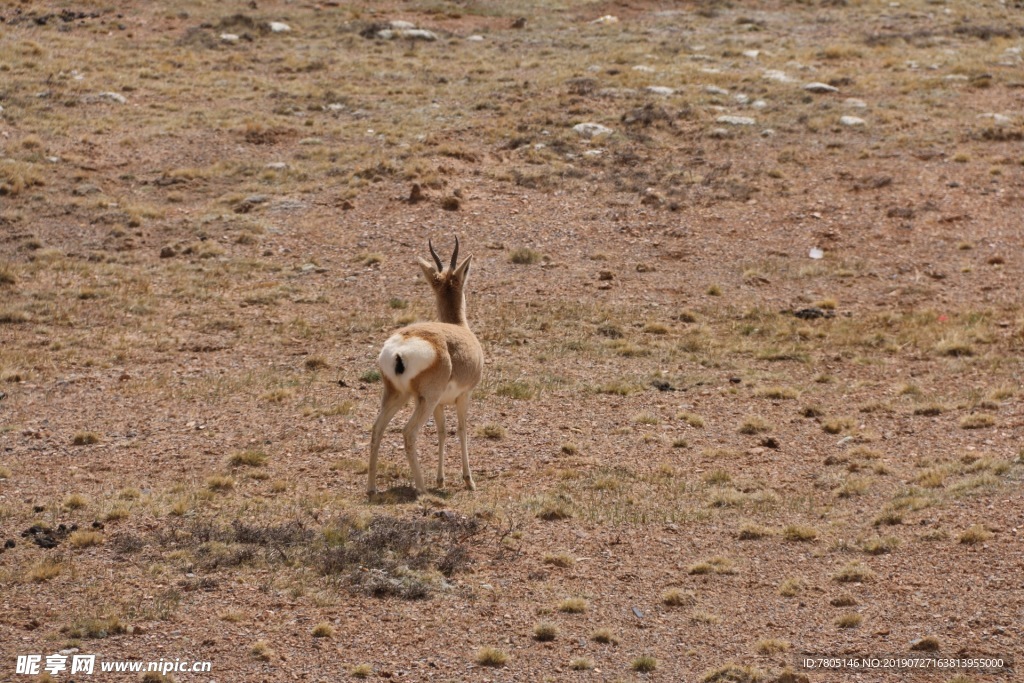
(753, 380)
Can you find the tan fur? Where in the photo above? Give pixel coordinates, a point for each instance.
(449, 379)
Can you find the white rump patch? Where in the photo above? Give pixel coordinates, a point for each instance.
(417, 355)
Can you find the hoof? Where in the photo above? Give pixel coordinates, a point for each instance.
(440, 483)
(469, 483)
(370, 493)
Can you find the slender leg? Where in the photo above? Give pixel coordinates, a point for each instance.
(462, 408)
(424, 406)
(390, 403)
(439, 423)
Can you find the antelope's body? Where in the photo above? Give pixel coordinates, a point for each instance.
(434, 363)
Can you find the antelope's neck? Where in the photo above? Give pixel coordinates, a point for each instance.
(452, 312)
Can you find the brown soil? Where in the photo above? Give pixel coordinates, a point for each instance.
(187, 337)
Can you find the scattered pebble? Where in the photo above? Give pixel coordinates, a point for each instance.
(660, 90)
(113, 97)
(854, 103)
(643, 68)
(816, 253)
(279, 27)
(592, 130)
(758, 104)
(409, 33)
(606, 19)
(752, 54)
(776, 75)
(715, 90)
(475, 38)
(229, 37)
(852, 121)
(276, 165)
(820, 88)
(998, 119)
(736, 120)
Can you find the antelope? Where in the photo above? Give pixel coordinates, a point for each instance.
(437, 363)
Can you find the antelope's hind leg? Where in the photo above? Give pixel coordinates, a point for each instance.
(424, 407)
(391, 402)
(441, 434)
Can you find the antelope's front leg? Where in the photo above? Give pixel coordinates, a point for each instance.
(462, 408)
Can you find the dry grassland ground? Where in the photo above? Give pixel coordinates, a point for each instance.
(204, 241)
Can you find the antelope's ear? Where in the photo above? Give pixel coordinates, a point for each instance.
(463, 271)
(429, 272)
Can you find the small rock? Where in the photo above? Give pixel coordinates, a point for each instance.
(776, 75)
(638, 613)
(643, 68)
(113, 97)
(606, 19)
(592, 130)
(816, 253)
(279, 27)
(408, 33)
(168, 252)
(334, 107)
(229, 37)
(768, 132)
(715, 90)
(84, 190)
(751, 54)
(416, 194)
(852, 121)
(475, 38)
(928, 644)
(820, 88)
(276, 165)
(399, 24)
(736, 120)
(998, 119)
(854, 103)
(660, 90)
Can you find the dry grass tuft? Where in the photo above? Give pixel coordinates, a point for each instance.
(974, 535)
(545, 631)
(644, 664)
(491, 656)
(573, 606)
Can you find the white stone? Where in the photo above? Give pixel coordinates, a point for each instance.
(229, 37)
(778, 76)
(998, 119)
(113, 97)
(854, 103)
(593, 153)
(820, 87)
(736, 120)
(276, 165)
(592, 130)
(852, 121)
(660, 90)
(767, 132)
(752, 54)
(758, 104)
(279, 27)
(816, 253)
(399, 24)
(410, 33)
(606, 19)
(741, 98)
(643, 68)
(334, 106)
(715, 90)
(475, 38)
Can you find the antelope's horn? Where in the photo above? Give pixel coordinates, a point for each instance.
(455, 254)
(437, 259)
